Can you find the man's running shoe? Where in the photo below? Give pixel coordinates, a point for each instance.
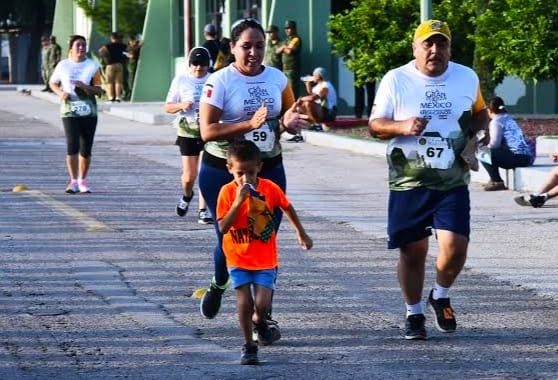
(414, 327)
(204, 217)
(182, 206)
(537, 200)
(211, 301)
(72, 187)
(445, 316)
(267, 332)
(83, 186)
(249, 355)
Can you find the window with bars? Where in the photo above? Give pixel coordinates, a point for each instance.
(249, 8)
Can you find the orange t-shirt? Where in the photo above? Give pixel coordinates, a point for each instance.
(243, 249)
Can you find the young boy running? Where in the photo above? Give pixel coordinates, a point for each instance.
(245, 215)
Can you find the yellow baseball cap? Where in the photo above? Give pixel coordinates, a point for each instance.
(428, 28)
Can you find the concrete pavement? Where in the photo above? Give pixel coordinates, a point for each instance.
(339, 304)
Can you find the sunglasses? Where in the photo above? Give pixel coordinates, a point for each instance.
(199, 63)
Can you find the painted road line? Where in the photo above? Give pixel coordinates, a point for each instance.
(91, 224)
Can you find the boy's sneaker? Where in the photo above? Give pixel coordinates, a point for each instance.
(249, 355)
(72, 187)
(445, 316)
(182, 206)
(210, 303)
(537, 200)
(204, 217)
(83, 186)
(414, 327)
(267, 332)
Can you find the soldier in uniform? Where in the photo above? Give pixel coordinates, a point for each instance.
(290, 55)
(272, 48)
(53, 56)
(45, 46)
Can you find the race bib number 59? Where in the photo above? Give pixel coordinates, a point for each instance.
(263, 137)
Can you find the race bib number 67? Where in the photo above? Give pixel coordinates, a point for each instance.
(435, 152)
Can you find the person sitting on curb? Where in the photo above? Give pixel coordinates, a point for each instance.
(548, 190)
(321, 102)
(508, 147)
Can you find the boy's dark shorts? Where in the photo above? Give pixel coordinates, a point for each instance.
(413, 213)
(189, 146)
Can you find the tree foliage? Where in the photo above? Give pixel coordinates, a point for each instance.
(520, 37)
(130, 13)
(369, 41)
(496, 37)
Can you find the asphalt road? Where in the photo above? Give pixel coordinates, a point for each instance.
(99, 286)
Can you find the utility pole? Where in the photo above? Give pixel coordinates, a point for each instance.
(114, 15)
(425, 10)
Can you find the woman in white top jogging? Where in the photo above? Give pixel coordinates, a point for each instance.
(77, 80)
(183, 99)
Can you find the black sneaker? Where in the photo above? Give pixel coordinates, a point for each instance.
(249, 355)
(537, 200)
(445, 316)
(414, 327)
(204, 217)
(211, 301)
(267, 332)
(182, 206)
(316, 128)
(296, 139)
(520, 200)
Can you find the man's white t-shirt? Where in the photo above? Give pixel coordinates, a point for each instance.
(239, 97)
(331, 93)
(448, 102)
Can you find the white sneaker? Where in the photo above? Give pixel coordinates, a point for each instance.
(204, 217)
(83, 186)
(72, 187)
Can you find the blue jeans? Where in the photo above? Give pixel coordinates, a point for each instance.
(504, 158)
(211, 179)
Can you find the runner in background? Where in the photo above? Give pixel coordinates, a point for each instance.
(183, 99)
(77, 80)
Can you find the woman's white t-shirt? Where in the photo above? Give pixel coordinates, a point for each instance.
(66, 73)
(186, 87)
(239, 96)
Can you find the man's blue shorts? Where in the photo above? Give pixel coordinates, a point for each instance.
(265, 277)
(413, 213)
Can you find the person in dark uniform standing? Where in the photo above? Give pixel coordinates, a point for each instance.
(273, 43)
(113, 55)
(290, 56)
(211, 43)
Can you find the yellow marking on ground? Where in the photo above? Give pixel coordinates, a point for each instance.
(19, 188)
(88, 222)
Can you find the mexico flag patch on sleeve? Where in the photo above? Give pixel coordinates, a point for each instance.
(208, 90)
